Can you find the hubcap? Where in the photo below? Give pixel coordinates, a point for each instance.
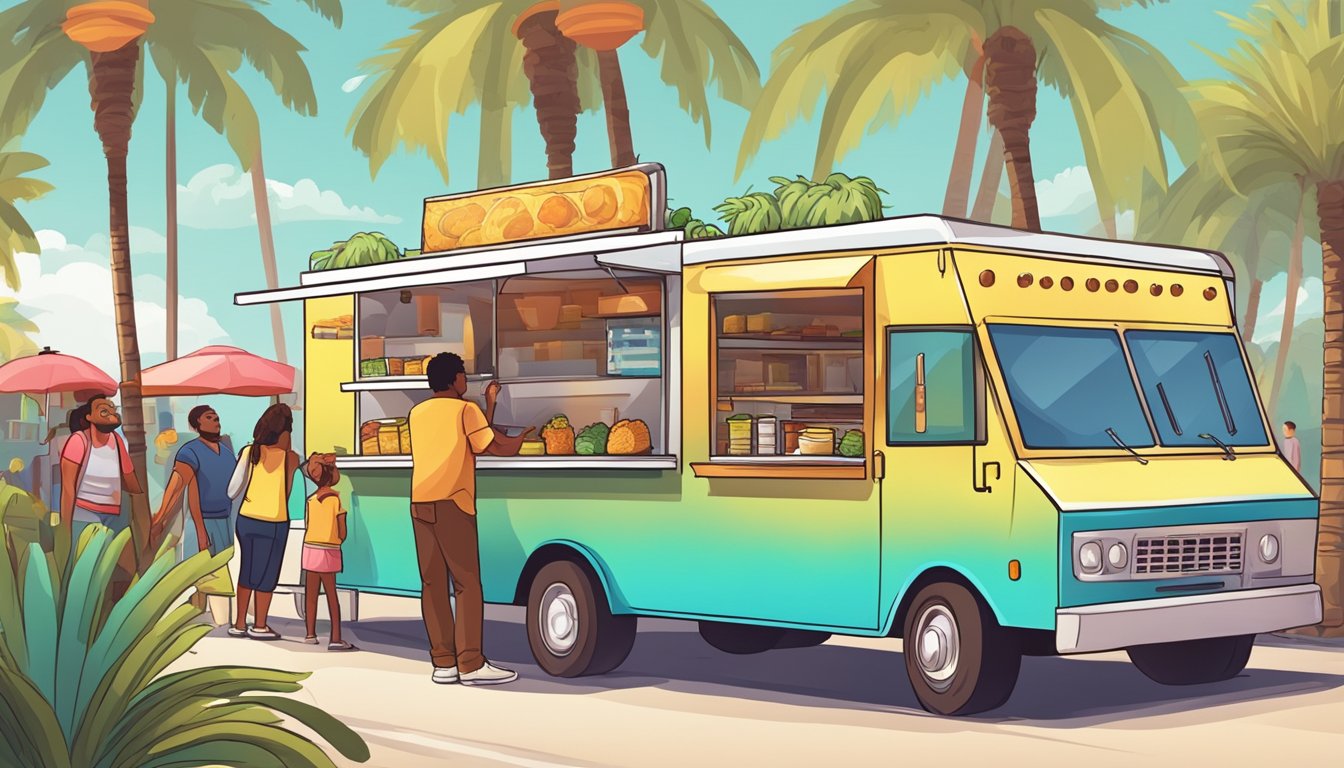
(937, 646)
(559, 619)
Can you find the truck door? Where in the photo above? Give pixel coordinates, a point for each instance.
(948, 474)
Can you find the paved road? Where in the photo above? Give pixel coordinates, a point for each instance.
(678, 702)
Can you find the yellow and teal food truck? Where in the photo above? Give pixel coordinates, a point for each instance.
(988, 442)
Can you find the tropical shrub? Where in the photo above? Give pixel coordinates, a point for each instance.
(81, 676)
(695, 229)
(800, 202)
(362, 249)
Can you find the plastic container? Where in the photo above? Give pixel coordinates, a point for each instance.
(767, 432)
(817, 441)
(739, 435)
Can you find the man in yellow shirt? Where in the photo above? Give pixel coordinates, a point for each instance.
(447, 432)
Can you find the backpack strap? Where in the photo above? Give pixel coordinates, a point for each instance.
(84, 463)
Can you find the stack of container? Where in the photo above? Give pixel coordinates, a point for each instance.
(766, 431)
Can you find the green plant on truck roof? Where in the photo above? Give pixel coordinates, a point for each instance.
(362, 249)
(799, 202)
(82, 678)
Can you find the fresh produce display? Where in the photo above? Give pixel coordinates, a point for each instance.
(362, 249)
(558, 436)
(393, 366)
(565, 208)
(629, 438)
(592, 440)
(851, 445)
(385, 437)
(839, 199)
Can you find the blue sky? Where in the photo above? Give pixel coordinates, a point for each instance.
(323, 190)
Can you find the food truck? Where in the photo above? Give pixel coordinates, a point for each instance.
(991, 443)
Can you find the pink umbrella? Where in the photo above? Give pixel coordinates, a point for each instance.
(49, 372)
(218, 370)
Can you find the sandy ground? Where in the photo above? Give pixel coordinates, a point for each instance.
(678, 702)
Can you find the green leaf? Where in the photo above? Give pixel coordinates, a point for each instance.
(333, 731)
(39, 623)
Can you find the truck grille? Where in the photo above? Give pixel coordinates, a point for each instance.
(1204, 553)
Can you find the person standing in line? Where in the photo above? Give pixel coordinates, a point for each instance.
(1292, 449)
(202, 469)
(452, 431)
(95, 468)
(263, 518)
(323, 535)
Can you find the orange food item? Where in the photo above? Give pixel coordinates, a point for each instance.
(558, 212)
(458, 220)
(599, 203)
(629, 438)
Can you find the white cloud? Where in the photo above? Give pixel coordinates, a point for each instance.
(220, 197)
(57, 250)
(1068, 193)
(71, 303)
(353, 83)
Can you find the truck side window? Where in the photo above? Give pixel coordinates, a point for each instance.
(932, 391)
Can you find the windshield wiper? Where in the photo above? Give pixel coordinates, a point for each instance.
(1222, 396)
(1171, 415)
(1228, 453)
(1111, 434)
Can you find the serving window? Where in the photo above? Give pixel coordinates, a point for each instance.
(789, 377)
(580, 356)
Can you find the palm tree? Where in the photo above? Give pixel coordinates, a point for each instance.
(1281, 104)
(203, 44)
(475, 37)
(874, 59)
(15, 327)
(604, 26)
(553, 74)
(15, 233)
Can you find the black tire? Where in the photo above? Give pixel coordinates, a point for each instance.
(1194, 662)
(982, 673)
(741, 639)
(601, 640)
(801, 638)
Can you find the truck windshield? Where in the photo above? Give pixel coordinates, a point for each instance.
(1070, 387)
(1196, 384)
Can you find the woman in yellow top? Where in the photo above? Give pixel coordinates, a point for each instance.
(325, 530)
(263, 518)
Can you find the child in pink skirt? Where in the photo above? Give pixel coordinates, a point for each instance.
(325, 522)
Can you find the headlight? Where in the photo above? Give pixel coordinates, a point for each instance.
(1117, 556)
(1089, 557)
(1269, 548)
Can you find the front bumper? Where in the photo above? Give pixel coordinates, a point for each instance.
(1111, 626)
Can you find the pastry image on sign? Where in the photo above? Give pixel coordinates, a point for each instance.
(621, 199)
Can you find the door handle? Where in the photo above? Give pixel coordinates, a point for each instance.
(879, 465)
(983, 486)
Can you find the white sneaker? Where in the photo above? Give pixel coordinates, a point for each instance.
(445, 675)
(489, 674)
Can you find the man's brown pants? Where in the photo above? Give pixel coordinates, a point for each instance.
(445, 544)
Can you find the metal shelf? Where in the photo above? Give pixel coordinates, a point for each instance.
(816, 344)
(562, 463)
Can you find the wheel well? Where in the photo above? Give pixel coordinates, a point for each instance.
(926, 578)
(547, 554)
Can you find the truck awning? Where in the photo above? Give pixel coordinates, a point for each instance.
(650, 252)
(832, 272)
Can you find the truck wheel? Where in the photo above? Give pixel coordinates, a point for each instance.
(959, 660)
(570, 626)
(741, 639)
(1193, 662)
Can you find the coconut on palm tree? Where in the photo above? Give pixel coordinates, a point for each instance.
(870, 61)
(16, 235)
(1280, 104)
(695, 48)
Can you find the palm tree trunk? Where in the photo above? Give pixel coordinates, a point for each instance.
(112, 85)
(1330, 544)
(170, 202)
(618, 111)
(263, 204)
(1294, 284)
(957, 198)
(990, 178)
(1010, 82)
(493, 161)
(553, 74)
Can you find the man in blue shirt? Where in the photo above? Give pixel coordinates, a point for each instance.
(202, 471)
